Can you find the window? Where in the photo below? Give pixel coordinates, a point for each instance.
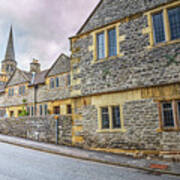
(168, 118)
(174, 22)
(45, 109)
(68, 80)
(57, 82)
(100, 46)
(11, 92)
(40, 110)
(164, 24)
(106, 43)
(158, 24)
(19, 113)
(32, 111)
(116, 117)
(56, 110)
(109, 118)
(105, 118)
(112, 45)
(52, 83)
(169, 113)
(21, 90)
(69, 109)
(28, 110)
(11, 113)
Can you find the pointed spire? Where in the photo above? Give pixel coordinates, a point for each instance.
(10, 55)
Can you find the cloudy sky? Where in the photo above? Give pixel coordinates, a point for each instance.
(41, 27)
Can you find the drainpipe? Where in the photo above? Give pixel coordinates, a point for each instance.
(35, 99)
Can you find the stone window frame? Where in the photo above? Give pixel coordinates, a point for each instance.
(110, 129)
(176, 116)
(11, 92)
(149, 30)
(40, 110)
(94, 45)
(55, 80)
(22, 90)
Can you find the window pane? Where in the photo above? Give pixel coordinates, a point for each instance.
(112, 45)
(105, 118)
(19, 90)
(57, 82)
(168, 118)
(69, 80)
(174, 21)
(40, 110)
(28, 110)
(23, 90)
(52, 83)
(45, 109)
(69, 109)
(56, 110)
(100, 46)
(12, 91)
(116, 117)
(158, 25)
(32, 110)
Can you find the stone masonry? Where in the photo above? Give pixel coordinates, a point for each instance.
(38, 128)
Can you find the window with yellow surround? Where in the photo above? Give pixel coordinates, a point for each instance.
(110, 118)
(169, 113)
(106, 44)
(164, 23)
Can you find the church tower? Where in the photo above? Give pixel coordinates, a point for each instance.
(9, 63)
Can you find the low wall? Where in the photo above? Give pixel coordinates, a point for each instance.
(38, 128)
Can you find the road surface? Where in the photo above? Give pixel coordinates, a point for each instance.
(17, 163)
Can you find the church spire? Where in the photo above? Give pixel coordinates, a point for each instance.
(9, 63)
(10, 55)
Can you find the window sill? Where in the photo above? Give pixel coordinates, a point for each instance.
(110, 130)
(164, 44)
(107, 59)
(168, 130)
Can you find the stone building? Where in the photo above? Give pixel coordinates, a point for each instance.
(121, 84)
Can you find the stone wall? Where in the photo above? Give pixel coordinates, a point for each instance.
(38, 128)
(44, 93)
(139, 67)
(141, 123)
(110, 11)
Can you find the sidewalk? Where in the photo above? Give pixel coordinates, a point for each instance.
(106, 158)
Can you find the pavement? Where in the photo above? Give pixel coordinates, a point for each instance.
(152, 166)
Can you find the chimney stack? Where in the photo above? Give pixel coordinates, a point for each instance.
(35, 66)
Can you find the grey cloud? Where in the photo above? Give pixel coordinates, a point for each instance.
(42, 27)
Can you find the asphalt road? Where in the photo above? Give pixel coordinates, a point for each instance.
(17, 163)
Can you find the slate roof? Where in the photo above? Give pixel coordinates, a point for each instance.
(108, 11)
(61, 65)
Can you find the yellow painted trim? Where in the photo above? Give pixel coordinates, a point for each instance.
(75, 82)
(121, 38)
(75, 92)
(166, 25)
